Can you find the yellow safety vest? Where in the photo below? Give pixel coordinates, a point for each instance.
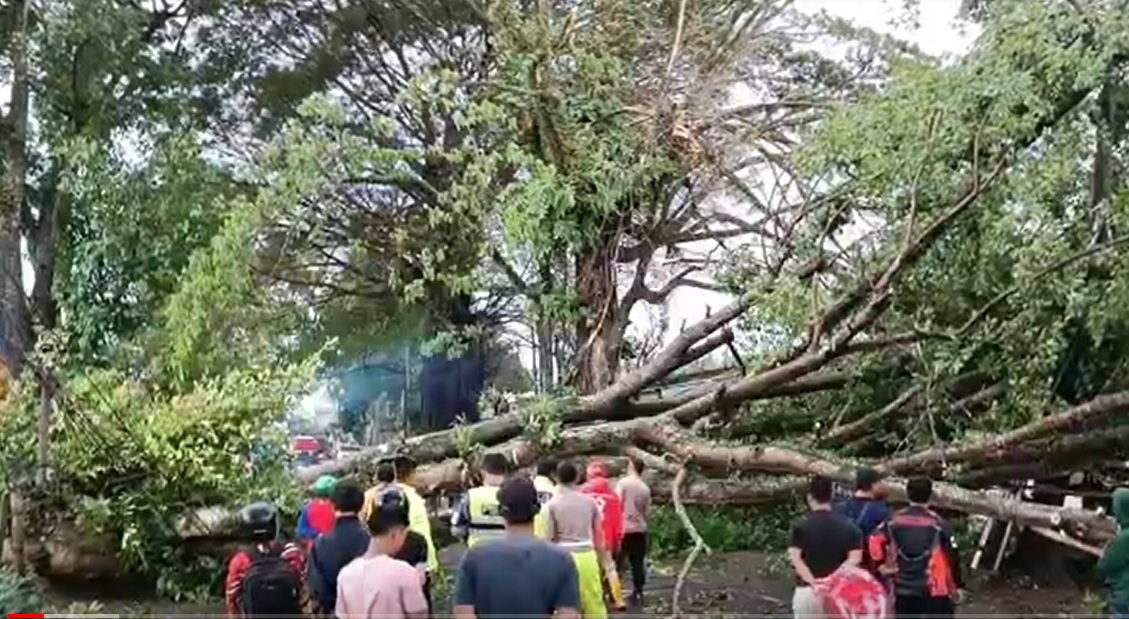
(418, 519)
(484, 515)
(546, 490)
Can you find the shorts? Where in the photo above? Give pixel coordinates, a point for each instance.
(591, 585)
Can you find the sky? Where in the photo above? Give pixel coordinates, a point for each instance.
(937, 33)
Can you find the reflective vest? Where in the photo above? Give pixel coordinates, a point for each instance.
(484, 516)
(546, 490)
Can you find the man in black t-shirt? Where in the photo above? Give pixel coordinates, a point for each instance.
(819, 543)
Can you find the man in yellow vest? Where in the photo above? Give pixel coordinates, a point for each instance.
(478, 517)
(418, 520)
(546, 490)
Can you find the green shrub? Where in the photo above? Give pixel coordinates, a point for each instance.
(724, 529)
(18, 594)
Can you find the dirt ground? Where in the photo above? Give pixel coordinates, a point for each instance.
(741, 584)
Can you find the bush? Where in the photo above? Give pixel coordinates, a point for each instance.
(724, 529)
(18, 594)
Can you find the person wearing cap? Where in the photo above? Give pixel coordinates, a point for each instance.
(333, 551)
(611, 516)
(317, 516)
(388, 580)
(518, 574)
(478, 516)
(388, 475)
(546, 490)
(574, 525)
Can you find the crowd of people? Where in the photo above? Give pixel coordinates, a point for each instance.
(551, 545)
(554, 545)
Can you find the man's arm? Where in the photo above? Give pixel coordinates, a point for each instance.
(854, 545)
(550, 523)
(949, 545)
(597, 532)
(463, 600)
(566, 595)
(412, 600)
(234, 583)
(796, 556)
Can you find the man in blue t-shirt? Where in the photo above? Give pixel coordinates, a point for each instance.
(518, 576)
(867, 511)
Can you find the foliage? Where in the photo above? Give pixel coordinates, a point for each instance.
(18, 594)
(723, 528)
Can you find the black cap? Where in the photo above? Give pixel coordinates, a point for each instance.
(866, 477)
(518, 500)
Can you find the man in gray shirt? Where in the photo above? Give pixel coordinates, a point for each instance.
(636, 497)
(517, 576)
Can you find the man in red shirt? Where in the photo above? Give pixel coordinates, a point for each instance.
(266, 564)
(597, 487)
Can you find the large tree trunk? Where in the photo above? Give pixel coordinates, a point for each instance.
(15, 327)
(597, 351)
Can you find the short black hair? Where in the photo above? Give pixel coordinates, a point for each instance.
(637, 464)
(348, 497)
(390, 508)
(547, 468)
(821, 489)
(518, 499)
(919, 490)
(567, 472)
(386, 472)
(865, 478)
(495, 463)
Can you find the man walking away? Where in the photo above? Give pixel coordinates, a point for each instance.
(916, 547)
(611, 517)
(574, 525)
(518, 575)
(1114, 564)
(478, 516)
(388, 475)
(377, 585)
(819, 544)
(316, 518)
(333, 551)
(267, 578)
(635, 495)
(546, 485)
(866, 510)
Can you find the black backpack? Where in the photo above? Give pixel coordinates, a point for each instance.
(270, 587)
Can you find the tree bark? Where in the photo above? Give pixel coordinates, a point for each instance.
(597, 358)
(15, 328)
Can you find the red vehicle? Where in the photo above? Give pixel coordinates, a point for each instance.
(308, 450)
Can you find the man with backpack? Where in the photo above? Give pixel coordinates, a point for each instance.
(915, 548)
(819, 544)
(266, 578)
(866, 510)
(333, 551)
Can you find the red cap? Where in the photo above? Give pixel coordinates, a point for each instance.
(597, 469)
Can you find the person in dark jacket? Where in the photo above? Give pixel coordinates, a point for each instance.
(865, 508)
(916, 548)
(1114, 564)
(348, 540)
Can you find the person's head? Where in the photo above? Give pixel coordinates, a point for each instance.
(820, 491)
(386, 473)
(348, 498)
(635, 466)
(919, 490)
(866, 479)
(388, 521)
(519, 503)
(596, 469)
(568, 474)
(323, 487)
(547, 468)
(258, 522)
(495, 466)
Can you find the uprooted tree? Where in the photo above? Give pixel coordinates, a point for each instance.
(935, 290)
(925, 257)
